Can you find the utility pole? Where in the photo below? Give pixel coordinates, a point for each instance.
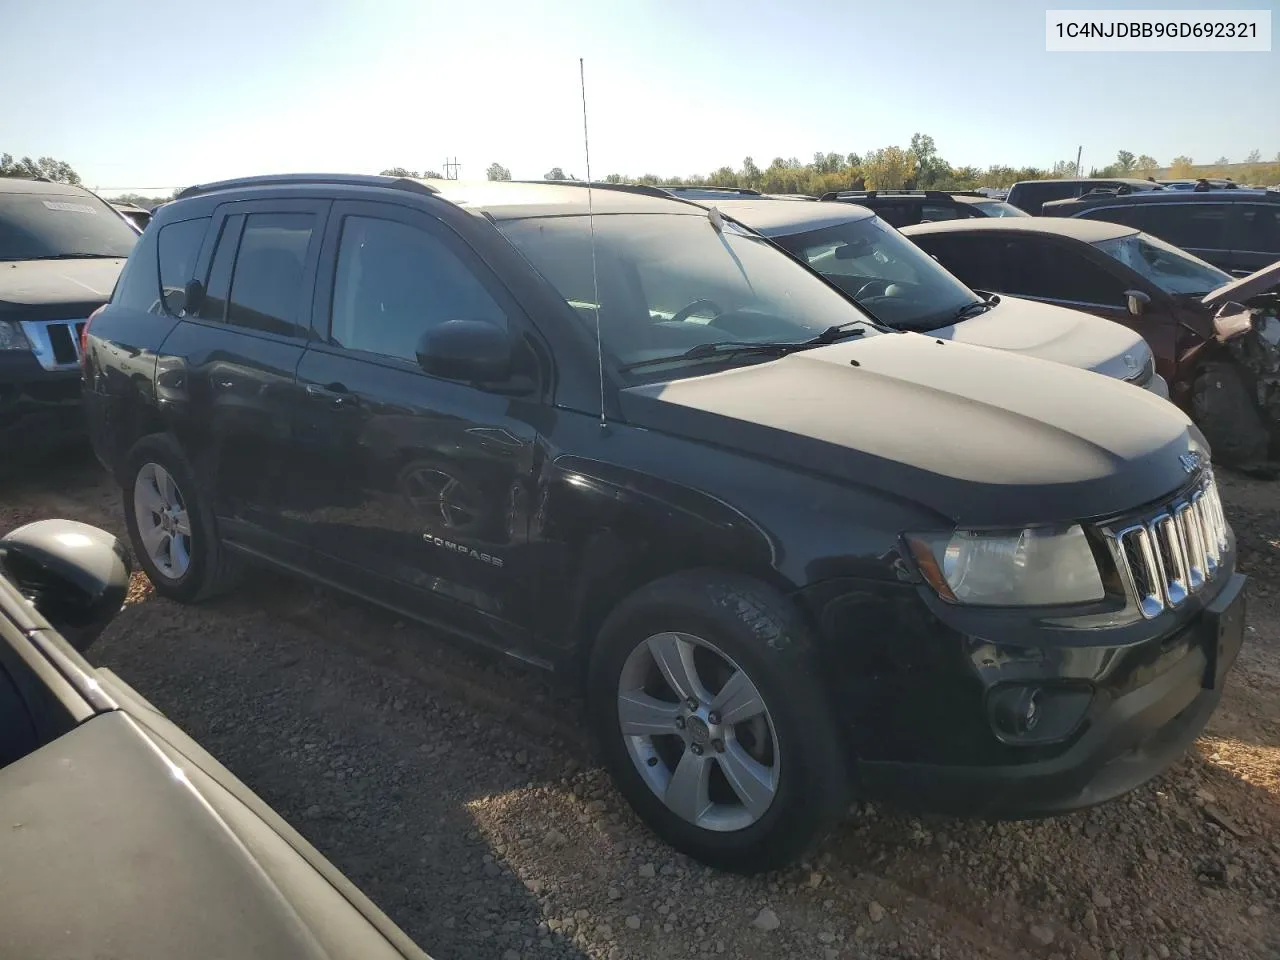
(1079, 150)
(451, 168)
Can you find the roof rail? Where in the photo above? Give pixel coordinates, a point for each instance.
(285, 179)
(641, 188)
(745, 191)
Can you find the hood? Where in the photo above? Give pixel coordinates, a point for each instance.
(1048, 332)
(1260, 281)
(56, 289)
(129, 849)
(983, 437)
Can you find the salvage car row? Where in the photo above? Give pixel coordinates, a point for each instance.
(802, 513)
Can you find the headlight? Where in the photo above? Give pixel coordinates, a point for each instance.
(12, 337)
(1033, 567)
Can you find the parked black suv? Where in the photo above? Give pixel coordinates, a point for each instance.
(782, 549)
(1031, 195)
(61, 249)
(1234, 228)
(902, 208)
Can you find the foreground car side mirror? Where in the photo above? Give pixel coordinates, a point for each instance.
(75, 575)
(474, 351)
(1137, 301)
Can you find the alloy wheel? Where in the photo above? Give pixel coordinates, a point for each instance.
(698, 731)
(164, 525)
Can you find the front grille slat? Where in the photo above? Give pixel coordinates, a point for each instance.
(1171, 554)
(63, 344)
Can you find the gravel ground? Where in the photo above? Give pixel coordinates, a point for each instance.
(462, 796)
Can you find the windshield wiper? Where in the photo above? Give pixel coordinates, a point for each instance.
(71, 256)
(850, 328)
(972, 310)
(731, 348)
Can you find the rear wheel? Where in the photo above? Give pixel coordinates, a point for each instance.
(713, 722)
(170, 525)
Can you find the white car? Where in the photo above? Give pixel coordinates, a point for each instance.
(904, 288)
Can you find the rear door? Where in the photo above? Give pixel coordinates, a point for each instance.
(1254, 236)
(420, 487)
(227, 371)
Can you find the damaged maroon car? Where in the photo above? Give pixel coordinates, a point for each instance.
(1216, 339)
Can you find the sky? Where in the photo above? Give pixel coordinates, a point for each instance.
(148, 95)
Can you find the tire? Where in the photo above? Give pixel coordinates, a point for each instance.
(1225, 412)
(726, 624)
(207, 570)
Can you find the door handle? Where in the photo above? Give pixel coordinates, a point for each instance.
(335, 394)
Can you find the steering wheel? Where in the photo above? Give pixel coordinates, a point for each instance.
(862, 290)
(684, 313)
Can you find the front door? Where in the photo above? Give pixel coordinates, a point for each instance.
(1062, 273)
(419, 487)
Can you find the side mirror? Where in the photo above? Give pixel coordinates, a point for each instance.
(474, 351)
(75, 575)
(192, 298)
(1232, 320)
(1137, 301)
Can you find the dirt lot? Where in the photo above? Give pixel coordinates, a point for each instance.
(462, 796)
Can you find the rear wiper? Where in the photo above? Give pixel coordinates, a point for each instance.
(731, 348)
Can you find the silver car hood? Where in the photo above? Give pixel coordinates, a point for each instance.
(1260, 281)
(1054, 333)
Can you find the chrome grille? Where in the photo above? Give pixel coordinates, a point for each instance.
(55, 343)
(1172, 554)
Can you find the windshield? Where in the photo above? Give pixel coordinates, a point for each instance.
(894, 279)
(998, 208)
(1170, 269)
(670, 282)
(40, 226)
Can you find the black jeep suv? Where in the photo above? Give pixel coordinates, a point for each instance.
(61, 249)
(785, 551)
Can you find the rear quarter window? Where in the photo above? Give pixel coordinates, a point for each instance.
(178, 247)
(139, 285)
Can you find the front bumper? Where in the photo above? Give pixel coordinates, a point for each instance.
(1159, 386)
(924, 736)
(39, 409)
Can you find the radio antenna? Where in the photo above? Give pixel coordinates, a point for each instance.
(591, 223)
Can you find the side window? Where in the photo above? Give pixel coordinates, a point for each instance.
(898, 213)
(266, 284)
(1187, 225)
(178, 245)
(219, 282)
(975, 260)
(940, 211)
(1039, 269)
(1259, 229)
(395, 281)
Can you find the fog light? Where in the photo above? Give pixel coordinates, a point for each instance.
(1016, 710)
(1023, 713)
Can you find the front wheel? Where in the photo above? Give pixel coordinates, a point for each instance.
(714, 724)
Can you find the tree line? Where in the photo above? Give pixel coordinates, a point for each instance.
(920, 167)
(917, 166)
